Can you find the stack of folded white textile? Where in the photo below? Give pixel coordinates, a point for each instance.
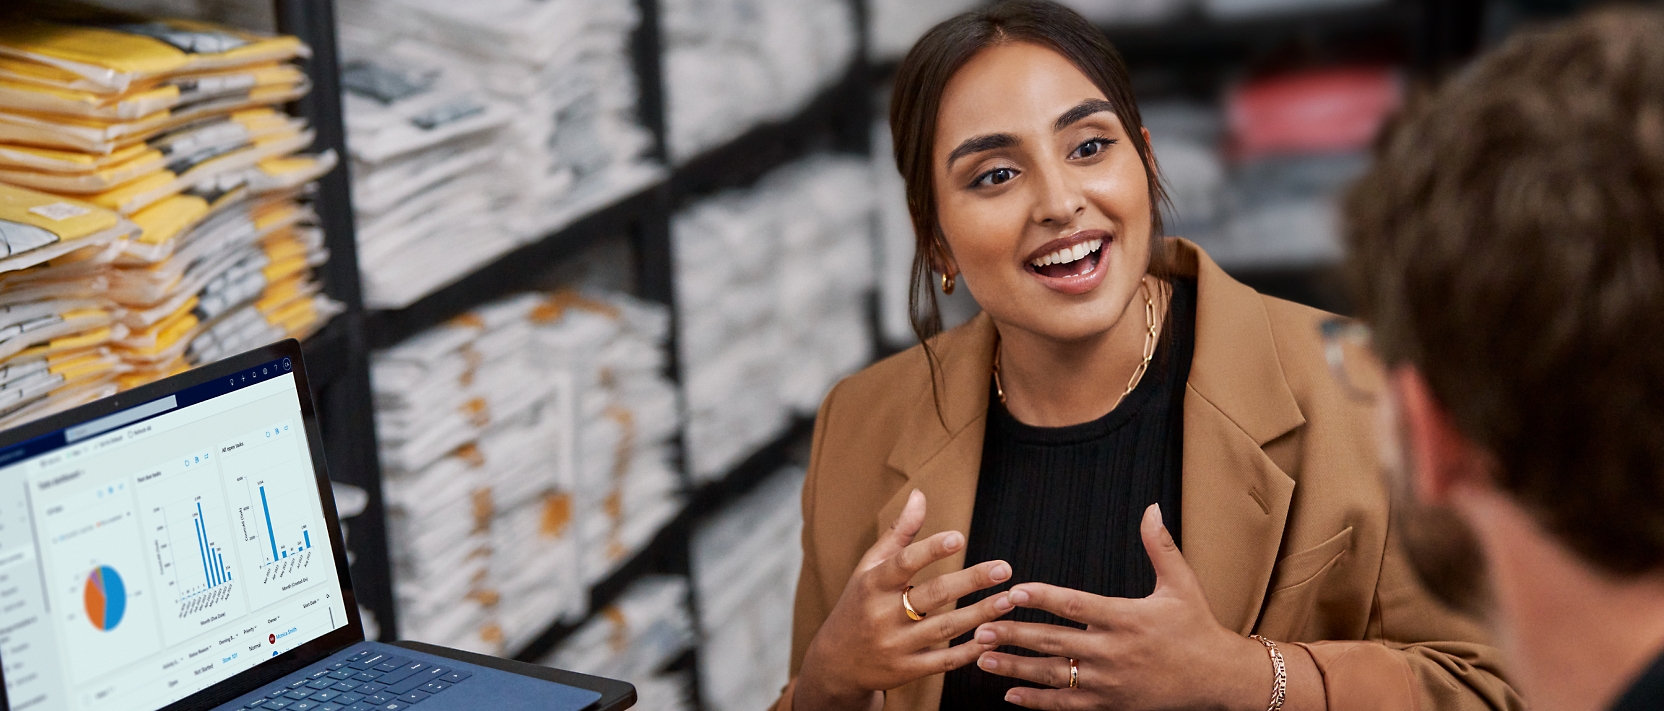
(479, 126)
(426, 147)
(772, 285)
(745, 565)
(523, 445)
(731, 64)
(634, 639)
(170, 124)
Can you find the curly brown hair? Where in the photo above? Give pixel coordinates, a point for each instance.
(1509, 244)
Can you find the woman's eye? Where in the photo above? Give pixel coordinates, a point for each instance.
(994, 177)
(1091, 148)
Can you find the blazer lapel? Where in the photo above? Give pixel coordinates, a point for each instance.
(1235, 500)
(944, 461)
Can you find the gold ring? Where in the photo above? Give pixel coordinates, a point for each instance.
(907, 606)
(1074, 674)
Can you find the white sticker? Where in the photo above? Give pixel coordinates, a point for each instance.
(59, 211)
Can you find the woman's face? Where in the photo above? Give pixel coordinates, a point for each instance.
(1040, 194)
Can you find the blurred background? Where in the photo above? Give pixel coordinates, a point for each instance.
(581, 270)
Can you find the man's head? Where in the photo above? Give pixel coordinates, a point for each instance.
(1508, 251)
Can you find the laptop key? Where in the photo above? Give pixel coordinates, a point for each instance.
(255, 703)
(414, 697)
(368, 662)
(456, 676)
(321, 673)
(324, 683)
(361, 706)
(350, 698)
(298, 684)
(274, 693)
(277, 703)
(341, 674)
(337, 665)
(402, 673)
(330, 706)
(324, 695)
(345, 685)
(370, 688)
(423, 677)
(366, 676)
(434, 687)
(390, 663)
(394, 706)
(297, 694)
(303, 706)
(380, 698)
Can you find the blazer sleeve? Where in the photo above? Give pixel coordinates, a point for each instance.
(1419, 655)
(811, 608)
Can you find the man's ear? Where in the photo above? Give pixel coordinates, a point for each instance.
(1441, 457)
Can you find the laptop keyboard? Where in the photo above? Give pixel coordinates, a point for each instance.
(367, 681)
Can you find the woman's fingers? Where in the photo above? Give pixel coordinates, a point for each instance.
(894, 573)
(944, 589)
(942, 661)
(1085, 608)
(939, 628)
(1051, 671)
(1048, 699)
(1055, 640)
(899, 536)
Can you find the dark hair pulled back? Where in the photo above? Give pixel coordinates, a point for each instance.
(917, 98)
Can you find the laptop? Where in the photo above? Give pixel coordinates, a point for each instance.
(176, 547)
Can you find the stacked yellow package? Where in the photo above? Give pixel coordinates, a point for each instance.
(58, 325)
(172, 126)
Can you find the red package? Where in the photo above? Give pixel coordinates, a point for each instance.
(1321, 111)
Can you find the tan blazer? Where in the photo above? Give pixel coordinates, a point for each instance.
(1285, 517)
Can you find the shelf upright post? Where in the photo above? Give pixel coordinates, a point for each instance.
(345, 410)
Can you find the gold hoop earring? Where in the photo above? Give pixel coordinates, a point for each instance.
(948, 283)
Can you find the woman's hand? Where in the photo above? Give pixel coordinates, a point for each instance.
(869, 645)
(1162, 651)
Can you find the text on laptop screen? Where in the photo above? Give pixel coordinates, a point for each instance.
(148, 554)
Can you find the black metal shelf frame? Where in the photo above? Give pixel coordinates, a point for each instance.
(838, 119)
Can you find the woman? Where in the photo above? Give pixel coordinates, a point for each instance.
(1115, 381)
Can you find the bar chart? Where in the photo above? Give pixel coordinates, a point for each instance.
(191, 537)
(275, 507)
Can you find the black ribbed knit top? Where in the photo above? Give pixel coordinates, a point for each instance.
(1062, 505)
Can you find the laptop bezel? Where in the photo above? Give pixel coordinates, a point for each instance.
(272, 668)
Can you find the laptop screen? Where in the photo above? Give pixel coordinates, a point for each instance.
(150, 553)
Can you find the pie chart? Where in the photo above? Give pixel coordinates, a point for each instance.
(105, 598)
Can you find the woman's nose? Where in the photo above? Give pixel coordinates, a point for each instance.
(1057, 201)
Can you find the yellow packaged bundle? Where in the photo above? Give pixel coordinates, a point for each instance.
(89, 49)
(176, 95)
(37, 386)
(36, 227)
(99, 136)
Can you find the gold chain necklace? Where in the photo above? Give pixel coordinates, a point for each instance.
(1137, 373)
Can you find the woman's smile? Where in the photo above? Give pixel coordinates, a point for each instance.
(1071, 265)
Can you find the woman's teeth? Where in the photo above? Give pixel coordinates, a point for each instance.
(1069, 254)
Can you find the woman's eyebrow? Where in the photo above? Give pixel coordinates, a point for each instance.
(978, 144)
(1082, 110)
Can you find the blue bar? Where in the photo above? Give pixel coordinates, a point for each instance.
(219, 567)
(270, 538)
(202, 545)
(307, 536)
(285, 554)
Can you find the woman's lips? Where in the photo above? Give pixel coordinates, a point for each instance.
(1072, 265)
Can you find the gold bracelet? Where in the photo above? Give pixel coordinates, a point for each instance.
(1279, 686)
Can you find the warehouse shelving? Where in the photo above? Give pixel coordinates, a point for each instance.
(839, 119)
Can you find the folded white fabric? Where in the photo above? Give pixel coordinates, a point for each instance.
(745, 562)
(730, 64)
(525, 447)
(476, 127)
(644, 630)
(772, 285)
